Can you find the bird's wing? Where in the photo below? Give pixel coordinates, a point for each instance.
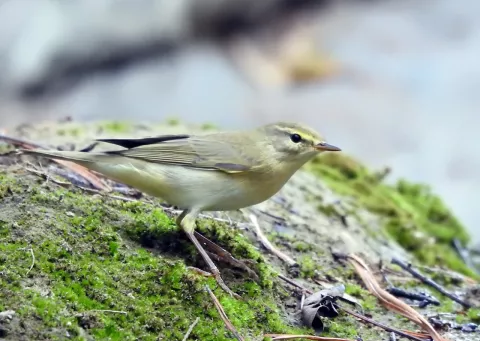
(189, 151)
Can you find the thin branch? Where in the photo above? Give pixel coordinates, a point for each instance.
(187, 334)
(33, 261)
(430, 282)
(33, 258)
(108, 311)
(295, 284)
(223, 315)
(422, 298)
(381, 325)
(266, 243)
(302, 301)
(307, 337)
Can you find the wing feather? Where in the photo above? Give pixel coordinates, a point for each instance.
(204, 152)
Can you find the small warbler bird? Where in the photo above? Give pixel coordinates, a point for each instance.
(215, 172)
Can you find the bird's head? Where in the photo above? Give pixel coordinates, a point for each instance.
(293, 142)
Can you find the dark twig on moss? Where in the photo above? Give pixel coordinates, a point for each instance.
(266, 243)
(295, 284)
(381, 325)
(223, 315)
(424, 299)
(430, 282)
(189, 331)
(273, 216)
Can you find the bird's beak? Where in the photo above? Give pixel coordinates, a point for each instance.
(323, 146)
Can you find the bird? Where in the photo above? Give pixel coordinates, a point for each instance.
(218, 171)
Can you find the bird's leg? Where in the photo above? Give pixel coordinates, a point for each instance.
(224, 255)
(186, 221)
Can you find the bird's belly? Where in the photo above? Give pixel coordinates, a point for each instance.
(212, 191)
(191, 188)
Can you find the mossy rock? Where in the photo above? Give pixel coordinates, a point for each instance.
(412, 214)
(106, 269)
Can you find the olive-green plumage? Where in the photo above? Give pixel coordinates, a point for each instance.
(215, 172)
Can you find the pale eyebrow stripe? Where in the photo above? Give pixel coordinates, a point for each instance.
(304, 135)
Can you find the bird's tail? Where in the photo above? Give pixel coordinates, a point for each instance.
(77, 157)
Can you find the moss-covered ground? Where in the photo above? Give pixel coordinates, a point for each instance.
(93, 258)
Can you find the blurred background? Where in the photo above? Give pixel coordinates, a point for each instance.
(394, 83)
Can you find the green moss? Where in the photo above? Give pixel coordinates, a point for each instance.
(209, 126)
(341, 327)
(118, 270)
(307, 266)
(354, 289)
(413, 215)
(366, 299)
(73, 131)
(172, 121)
(301, 246)
(116, 126)
(474, 315)
(5, 148)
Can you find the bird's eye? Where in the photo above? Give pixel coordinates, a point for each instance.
(295, 138)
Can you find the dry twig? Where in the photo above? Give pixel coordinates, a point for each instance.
(405, 333)
(33, 259)
(187, 334)
(109, 311)
(308, 337)
(223, 315)
(266, 243)
(295, 284)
